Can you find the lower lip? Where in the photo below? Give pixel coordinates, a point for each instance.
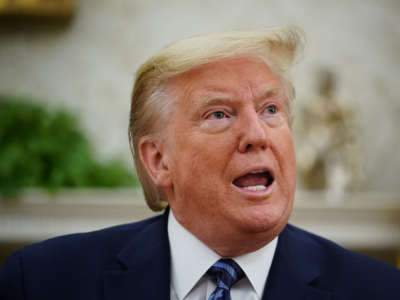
(261, 193)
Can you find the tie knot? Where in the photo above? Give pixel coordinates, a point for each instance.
(226, 272)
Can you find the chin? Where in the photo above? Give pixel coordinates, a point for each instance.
(265, 221)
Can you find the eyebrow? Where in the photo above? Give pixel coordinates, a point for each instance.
(268, 92)
(217, 99)
(222, 97)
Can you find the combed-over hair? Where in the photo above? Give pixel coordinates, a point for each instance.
(150, 104)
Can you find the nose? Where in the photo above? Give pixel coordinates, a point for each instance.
(253, 134)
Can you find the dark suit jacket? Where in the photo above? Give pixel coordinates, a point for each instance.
(133, 262)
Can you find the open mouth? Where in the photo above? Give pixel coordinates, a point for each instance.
(255, 181)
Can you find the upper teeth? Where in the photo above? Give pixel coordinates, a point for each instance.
(255, 187)
(257, 171)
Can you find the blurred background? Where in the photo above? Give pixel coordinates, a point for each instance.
(66, 74)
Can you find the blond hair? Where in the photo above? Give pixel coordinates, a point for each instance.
(150, 105)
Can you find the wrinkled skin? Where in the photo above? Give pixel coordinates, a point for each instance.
(230, 118)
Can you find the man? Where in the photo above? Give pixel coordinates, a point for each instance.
(210, 129)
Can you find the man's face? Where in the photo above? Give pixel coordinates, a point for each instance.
(230, 152)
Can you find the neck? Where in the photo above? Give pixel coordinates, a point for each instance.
(234, 247)
(229, 244)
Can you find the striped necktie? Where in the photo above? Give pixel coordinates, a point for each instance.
(225, 272)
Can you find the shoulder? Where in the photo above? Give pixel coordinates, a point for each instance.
(343, 269)
(68, 259)
(88, 244)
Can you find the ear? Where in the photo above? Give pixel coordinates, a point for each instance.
(154, 160)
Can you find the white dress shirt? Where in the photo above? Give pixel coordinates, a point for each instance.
(190, 260)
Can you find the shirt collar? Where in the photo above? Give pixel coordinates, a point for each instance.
(188, 266)
(256, 265)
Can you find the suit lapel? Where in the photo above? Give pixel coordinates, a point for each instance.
(295, 269)
(145, 266)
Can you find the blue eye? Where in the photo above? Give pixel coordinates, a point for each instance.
(218, 115)
(271, 109)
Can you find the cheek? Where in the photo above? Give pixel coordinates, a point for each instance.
(284, 144)
(201, 165)
(211, 151)
(285, 154)
(289, 154)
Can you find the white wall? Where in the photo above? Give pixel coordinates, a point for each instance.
(89, 66)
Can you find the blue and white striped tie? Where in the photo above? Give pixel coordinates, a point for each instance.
(225, 272)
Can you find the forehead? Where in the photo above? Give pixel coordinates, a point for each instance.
(226, 78)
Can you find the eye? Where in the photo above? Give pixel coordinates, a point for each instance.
(218, 115)
(271, 109)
